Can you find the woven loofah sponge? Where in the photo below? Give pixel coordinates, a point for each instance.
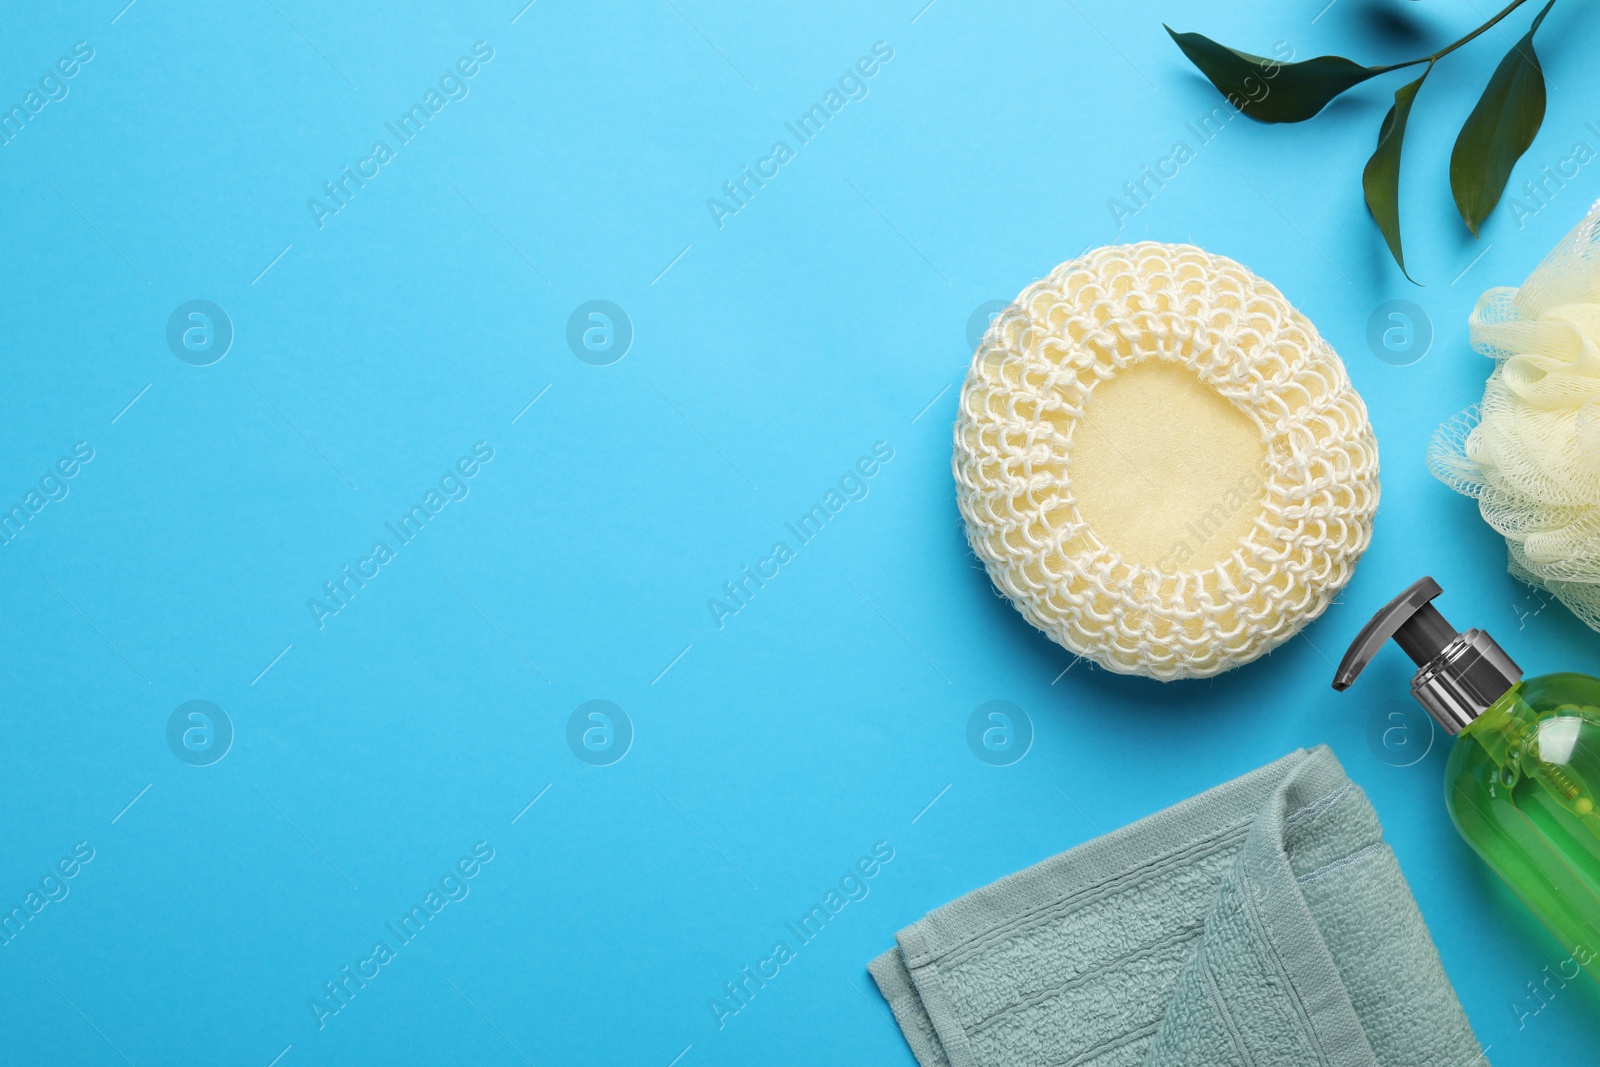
(1161, 463)
(1530, 452)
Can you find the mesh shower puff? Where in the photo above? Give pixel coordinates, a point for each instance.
(1530, 452)
(1162, 315)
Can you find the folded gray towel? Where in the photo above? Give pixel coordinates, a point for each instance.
(1264, 922)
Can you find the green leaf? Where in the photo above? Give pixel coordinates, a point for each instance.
(1266, 89)
(1381, 178)
(1500, 128)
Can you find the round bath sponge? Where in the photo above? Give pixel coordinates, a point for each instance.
(1161, 463)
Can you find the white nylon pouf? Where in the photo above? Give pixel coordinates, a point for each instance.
(1530, 452)
(1161, 463)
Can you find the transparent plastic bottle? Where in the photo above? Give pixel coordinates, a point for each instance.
(1524, 771)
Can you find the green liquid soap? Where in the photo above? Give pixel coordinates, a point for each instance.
(1523, 781)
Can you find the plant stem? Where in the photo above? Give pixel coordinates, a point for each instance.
(1435, 57)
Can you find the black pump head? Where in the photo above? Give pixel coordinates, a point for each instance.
(1413, 622)
(1458, 674)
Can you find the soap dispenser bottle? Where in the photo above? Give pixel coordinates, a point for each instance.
(1524, 770)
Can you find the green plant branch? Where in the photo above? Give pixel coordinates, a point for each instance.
(1494, 137)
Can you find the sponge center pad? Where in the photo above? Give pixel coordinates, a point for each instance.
(1164, 469)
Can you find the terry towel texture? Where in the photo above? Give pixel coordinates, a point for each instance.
(1262, 923)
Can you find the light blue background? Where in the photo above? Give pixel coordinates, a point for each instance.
(829, 314)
